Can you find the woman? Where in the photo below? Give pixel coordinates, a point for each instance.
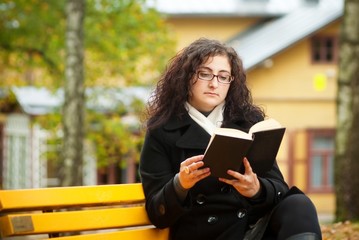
(203, 87)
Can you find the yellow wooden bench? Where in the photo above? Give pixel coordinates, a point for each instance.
(93, 212)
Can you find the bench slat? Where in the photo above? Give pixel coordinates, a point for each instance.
(53, 198)
(141, 234)
(71, 221)
(118, 209)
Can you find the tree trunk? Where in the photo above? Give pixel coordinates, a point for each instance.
(74, 104)
(347, 137)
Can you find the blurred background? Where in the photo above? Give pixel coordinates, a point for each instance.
(290, 50)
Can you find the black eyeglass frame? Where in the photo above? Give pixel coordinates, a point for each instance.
(230, 78)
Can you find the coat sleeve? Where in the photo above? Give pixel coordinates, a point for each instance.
(157, 174)
(274, 189)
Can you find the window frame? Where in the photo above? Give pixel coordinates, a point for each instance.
(312, 134)
(323, 50)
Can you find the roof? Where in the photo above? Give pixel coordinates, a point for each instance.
(269, 39)
(224, 8)
(38, 101)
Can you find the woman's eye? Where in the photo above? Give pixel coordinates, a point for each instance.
(223, 78)
(205, 74)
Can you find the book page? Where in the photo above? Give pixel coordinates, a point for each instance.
(230, 132)
(264, 125)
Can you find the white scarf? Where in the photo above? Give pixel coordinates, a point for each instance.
(209, 123)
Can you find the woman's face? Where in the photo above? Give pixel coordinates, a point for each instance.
(206, 95)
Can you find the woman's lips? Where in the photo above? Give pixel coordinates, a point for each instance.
(211, 94)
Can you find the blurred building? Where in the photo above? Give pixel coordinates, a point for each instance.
(290, 52)
(25, 147)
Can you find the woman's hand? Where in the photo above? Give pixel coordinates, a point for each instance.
(246, 184)
(190, 173)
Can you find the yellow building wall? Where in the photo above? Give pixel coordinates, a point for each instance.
(293, 78)
(324, 202)
(299, 94)
(188, 29)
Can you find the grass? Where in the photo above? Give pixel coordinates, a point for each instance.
(340, 231)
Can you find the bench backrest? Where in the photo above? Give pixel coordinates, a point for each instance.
(87, 210)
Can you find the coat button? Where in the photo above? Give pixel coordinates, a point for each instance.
(241, 213)
(279, 194)
(201, 199)
(212, 219)
(162, 209)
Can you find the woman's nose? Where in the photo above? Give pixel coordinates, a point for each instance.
(214, 82)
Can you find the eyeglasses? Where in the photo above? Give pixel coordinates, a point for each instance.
(222, 78)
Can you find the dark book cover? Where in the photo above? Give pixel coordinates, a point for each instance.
(227, 152)
(263, 151)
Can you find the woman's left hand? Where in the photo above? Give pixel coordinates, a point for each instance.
(246, 184)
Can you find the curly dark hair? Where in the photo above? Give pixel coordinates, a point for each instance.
(173, 87)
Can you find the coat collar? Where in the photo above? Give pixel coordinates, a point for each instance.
(192, 135)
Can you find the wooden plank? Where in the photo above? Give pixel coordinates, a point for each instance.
(138, 234)
(52, 198)
(83, 220)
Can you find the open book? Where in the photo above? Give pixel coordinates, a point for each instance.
(228, 147)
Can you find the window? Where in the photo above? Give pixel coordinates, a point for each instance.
(324, 49)
(321, 160)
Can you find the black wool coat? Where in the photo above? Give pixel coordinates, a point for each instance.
(212, 209)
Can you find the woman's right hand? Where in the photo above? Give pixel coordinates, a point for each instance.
(190, 172)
